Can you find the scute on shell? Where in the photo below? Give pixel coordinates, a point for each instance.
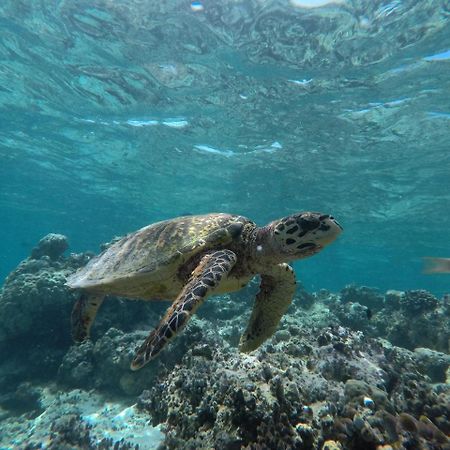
(157, 247)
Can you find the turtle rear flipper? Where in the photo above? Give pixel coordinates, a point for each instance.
(275, 295)
(204, 279)
(83, 315)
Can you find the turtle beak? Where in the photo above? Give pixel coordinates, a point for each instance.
(338, 224)
(332, 229)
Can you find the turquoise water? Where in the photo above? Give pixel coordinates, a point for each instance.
(118, 114)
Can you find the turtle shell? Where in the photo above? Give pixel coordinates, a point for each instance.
(157, 251)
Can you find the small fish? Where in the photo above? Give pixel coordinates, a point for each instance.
(369, 313)
(436, 265)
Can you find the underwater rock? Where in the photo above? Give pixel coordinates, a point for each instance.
(392, 298)
(79, 420)
(24, 400)
(382, 431)
(434, 364)
(35, 306)
(77, 367)
(303, 298)
(70, 431)
(353, 315)
(105, 364)
(419, 301)
(53, 245)
(367, 296)
(282, 335)
(276, 398)
(34, 301)
(410, 389)
(428, 323)
(356, 392)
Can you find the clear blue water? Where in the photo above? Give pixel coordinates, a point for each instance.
(116, 114)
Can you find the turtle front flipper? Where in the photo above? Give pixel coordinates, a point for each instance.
(83, 315)
(204, 279)
(276, 292)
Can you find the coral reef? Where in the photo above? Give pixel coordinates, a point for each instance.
(35, 307)
(367, 296)
(105, 363)
(434, 364)
(303, 393)
(416, 302)
(35, 303)
(53, 245)
(79, 420)
(407, 319)
(357, 370)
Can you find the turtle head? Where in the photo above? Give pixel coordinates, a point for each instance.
(301, 235)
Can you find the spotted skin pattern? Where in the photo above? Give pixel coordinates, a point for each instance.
(205, 278)
(275, 295)
(83, 314)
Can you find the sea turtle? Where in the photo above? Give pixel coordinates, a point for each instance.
(188, 258)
